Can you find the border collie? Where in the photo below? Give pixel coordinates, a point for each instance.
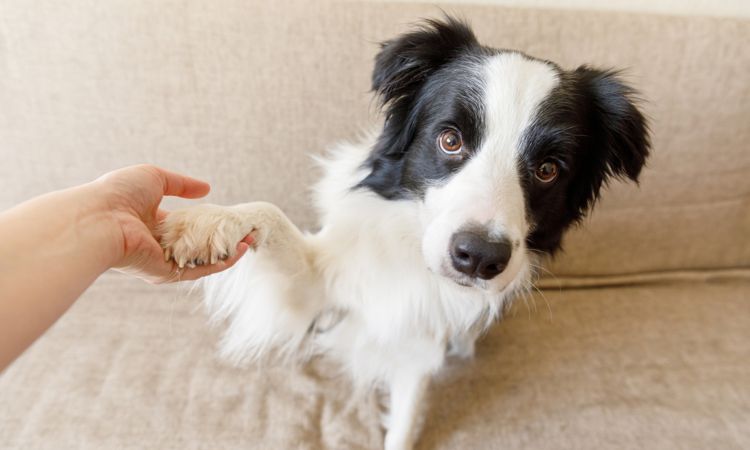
(431, 225)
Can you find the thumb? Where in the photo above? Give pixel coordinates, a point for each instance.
(179, 185)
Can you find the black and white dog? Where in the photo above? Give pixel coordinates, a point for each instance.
(430, 226)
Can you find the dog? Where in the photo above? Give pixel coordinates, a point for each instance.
(430, 226)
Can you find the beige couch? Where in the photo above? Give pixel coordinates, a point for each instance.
(640, 340)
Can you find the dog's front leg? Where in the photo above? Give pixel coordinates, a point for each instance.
(408, 389)
(205, 234)
(270, 298)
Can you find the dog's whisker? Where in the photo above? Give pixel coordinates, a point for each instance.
(544, 297)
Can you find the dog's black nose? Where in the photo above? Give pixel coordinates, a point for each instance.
(477, 256)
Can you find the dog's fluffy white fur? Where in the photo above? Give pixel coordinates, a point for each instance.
(379, 288)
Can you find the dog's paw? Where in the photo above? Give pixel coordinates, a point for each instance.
(201, 235)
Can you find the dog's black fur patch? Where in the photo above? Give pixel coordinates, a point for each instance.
(426, 85)
(590, 126)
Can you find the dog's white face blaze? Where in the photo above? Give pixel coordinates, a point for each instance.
(487, 190)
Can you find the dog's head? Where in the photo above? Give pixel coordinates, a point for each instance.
(503, 151)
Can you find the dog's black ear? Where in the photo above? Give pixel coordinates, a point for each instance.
(403, 64)
(401, 69)
(617, 131)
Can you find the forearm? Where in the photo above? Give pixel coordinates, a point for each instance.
(51, 249)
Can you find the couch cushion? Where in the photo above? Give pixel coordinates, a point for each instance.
(133, 366)
(241, 94)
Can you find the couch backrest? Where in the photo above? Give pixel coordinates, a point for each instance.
(240, 94)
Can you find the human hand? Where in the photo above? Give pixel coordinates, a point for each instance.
(131, 198)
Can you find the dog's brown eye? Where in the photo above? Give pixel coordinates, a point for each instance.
(546, 172)
(450, 142)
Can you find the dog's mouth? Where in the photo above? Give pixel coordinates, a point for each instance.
(487, 286)
(463, 280)
(463, 283)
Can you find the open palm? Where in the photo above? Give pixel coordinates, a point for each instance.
(133, 196)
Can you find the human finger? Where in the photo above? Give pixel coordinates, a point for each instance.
(178, 185)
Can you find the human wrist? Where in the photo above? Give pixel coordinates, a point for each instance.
(96, 224)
